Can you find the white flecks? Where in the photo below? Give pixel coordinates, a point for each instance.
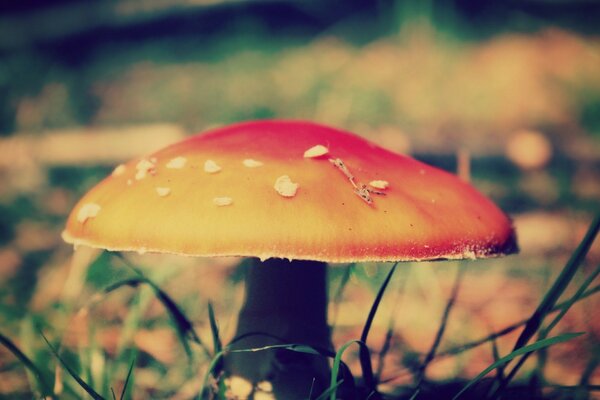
(87, 211)
(129, 182)
(285, 187)
(142, 250)
(379, 184)
(163, 191)
(211, 167)
(250, 163)
(264, 386)
(238, 387)
(119, 170)
(66, 237)
(469, 254)
(176, 163)
(263, 396)
(422, 171)
(316, 151)
(223, 201)
(144, 167)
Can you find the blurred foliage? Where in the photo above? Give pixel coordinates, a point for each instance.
(418, 66)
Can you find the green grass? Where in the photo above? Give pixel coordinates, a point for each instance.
(521, 351)
(536, 324)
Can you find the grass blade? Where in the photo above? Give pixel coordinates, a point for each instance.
(511, 328)
(415, 394)
(127, 380)
(559, 286)
(373, 310)
(569, 303)
(544, 332)
(182, 323)
(586, 388)
(131, 282)
(184, 327)
(43, 384)
(212, 366)
(519, 352)
(496, 355)
(444, 322)
(330, 390)
(294, 347)
(72, 372)
(301, 348)
(553, 294)
(217, 346)
(335, 369)
(365, 357)
(591, 366)
(214, 328)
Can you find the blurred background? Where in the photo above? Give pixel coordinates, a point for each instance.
(86, 85)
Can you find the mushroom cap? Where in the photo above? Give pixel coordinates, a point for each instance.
(203, 197)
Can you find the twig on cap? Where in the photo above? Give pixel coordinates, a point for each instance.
(363, 193)
(361, 190)
(337, 162)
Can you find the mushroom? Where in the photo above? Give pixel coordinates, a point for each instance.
(420, 213)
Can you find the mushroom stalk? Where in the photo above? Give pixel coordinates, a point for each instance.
(285, 303)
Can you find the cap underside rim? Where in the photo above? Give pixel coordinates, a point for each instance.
(507, 248)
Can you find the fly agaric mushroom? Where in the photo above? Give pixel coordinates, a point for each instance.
(351, 202)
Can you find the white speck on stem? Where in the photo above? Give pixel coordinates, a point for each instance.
(316, 151)
(119, 170)
(250, 163)
(239, 387)
(176, 163)
(211, 167)
(379, 184)
(163, 191)
(265, 386)
(285, 187)
(87, 211)
(222, 201)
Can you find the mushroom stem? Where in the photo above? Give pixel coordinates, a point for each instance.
(285, 303)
